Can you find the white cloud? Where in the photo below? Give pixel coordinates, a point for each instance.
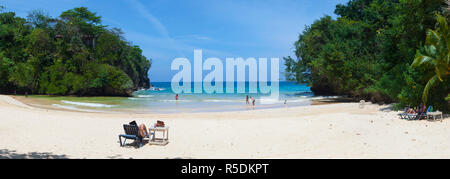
(166, 41)
(149, 17)
(193, 37)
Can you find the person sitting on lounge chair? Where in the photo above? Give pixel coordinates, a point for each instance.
(142, 129)
(410, 111)
(421, 112)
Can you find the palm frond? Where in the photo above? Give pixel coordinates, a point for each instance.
(431, 51)
(433, 80)
(438, 74)
(421, 59)
(433, 38)
(435, 54)
(447, 58)
(443, 24)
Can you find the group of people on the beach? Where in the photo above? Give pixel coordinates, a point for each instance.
(421, 111)
(247, 101)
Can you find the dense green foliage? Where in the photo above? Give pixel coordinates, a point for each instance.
(367, 52)
(70, 55)
(435, 54)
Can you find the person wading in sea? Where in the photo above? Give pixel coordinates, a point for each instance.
(253, 102)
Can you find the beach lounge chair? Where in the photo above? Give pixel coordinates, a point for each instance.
(131, 132)
(414, 116)
(418, 116)
(405, 114)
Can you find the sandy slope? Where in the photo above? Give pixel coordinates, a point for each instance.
(321, 131)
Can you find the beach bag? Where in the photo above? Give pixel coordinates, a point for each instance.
(159, 124)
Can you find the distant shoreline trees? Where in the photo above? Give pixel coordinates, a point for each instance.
(70, 55)
(367, 52)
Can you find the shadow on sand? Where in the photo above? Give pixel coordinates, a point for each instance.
(387, 108)
(12, 154)
(334, 100)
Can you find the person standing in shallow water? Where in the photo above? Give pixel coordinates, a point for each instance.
(253, 102)
(176, 99)
(246, 100)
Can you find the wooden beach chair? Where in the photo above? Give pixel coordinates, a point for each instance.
(131, 132)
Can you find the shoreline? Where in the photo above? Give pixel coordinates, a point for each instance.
(339, 130)
(48, 104)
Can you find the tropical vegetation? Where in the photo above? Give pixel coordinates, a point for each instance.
(435, 54)
(73, 54)
(385, 51)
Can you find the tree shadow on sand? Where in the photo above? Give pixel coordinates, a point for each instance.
(332, 100)
(12, 154)
(387, 108)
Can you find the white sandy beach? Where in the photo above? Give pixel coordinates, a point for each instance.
(320, 131)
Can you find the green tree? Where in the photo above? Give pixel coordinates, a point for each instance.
(366, 52)
(59, 56)
(40, 19)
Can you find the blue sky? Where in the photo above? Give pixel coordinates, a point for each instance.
(167, 29)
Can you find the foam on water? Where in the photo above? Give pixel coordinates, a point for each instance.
(87, 104)
(156, 89)
(145, 96)
(222, 100)
(269, 101)
(72, 108)
(323, 97)
(173, 100)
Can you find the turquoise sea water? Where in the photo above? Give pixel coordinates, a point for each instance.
(161, 99)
